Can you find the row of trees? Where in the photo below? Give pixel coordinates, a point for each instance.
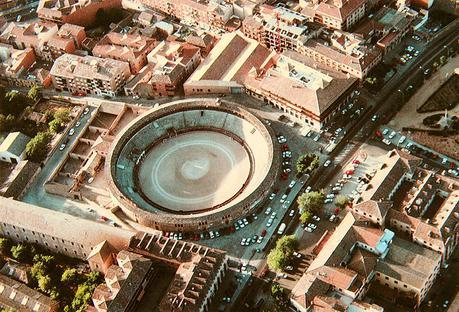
(52, 276)
(281, 255)
(307, 163)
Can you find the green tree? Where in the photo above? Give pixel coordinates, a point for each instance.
(38, 269)
(55, 126)
(312, 201)
(307, 163)
(37, 148)
(281, 255)
(19, 252)
(5, 246)
(305, 216)
(82, 297)
(63, 115)
(44, 283)
(34, 93)
(341, 201)
(93, 278)
(69, 275)
(280, 296)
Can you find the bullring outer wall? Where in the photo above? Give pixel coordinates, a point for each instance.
(192, 222)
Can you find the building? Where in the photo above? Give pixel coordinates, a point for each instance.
(279, 28)
(16, 296)
(125, 283)
(56, 231)
(35, 35)
(89, 74)
(356, 256)
(77, 33)
(227, 65)
(308, 93)
(82, 13)
(387, 27)
(12, 149)
(336, 14)
(169, 65)
(343, 52)
(406, 197)
(200, 271)
(130, 48)
(15, 63)
(214, 13)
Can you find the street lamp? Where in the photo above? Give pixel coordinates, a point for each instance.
(403, 97)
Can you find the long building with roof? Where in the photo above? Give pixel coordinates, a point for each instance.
(56, 231)
(89, 74)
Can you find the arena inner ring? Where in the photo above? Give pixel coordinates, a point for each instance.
(192, 165)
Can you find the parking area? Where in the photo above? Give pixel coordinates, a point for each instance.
(393, 138)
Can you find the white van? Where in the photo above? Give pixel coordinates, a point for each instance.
(281, 229)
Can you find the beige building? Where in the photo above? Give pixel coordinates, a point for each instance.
(89, 74)
(130, 48)
(15, 63)
(212, 13)
(13, 147)
(337, 14)
(56, 231)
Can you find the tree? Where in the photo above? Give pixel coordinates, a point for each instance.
(281, 255)
(37, 148)
(69, 275)
(55, 126)
(305, 216)
(38, 269)
(341, 201)
(5, 246)
(307, 163)
(279, 295)
(312, 201)
(44, 283)
(19, 252)
(34, 93)
(63, 115)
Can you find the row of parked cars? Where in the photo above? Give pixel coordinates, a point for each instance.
(72, 130)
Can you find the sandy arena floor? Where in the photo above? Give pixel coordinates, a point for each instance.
(194, 171)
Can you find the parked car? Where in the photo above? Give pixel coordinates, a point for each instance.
(292, 213)
(308, 229)
(72, 132)
(86, 111)
(392, 134)
(327, 163)
(283, 198)
(386, 141)
(402, 139)
(316, 218)
(271, 197)
(292, 184)
(62, 147)
(268, 210)
(312, 226)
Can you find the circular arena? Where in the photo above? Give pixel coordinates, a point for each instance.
(192, 165)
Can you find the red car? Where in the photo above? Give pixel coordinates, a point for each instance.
(336, 210)
(378, 133)
(284, 176)
(349, 172)
(355, 161)
(263, 233)
(452, 165)
(103, 218)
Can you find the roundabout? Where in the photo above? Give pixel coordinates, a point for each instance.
(192, 165)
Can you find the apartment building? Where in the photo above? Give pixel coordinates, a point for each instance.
(14, 63)
(214, 13)
(279, 28)
(82, 13)
(169, 65)
(89, 74)
(335, 14)
(130, 48)
(423, 204)
(357, 255)
(56, 231)
(343, 52)
(308, 93)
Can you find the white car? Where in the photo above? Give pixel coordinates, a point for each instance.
(297, 254)
(386, 141)
(374, 118)
(281, 139)
(259, 239)
(328, 200)
(268, 210)
(273, 215)
(316, 138)
(245, 221)
(402, 139)
(86, 111)
(385, 131)
(316, 218)
(392, 134)
(292, 213)
(327, 163)
(292, 184)
(61, 148)
(308, 229)
(271, 197)
(286, 204)
(78, 123)
(308, 189)
(330, 196)
(283, 198)
(444, 161)
(337, 131)
(212, 235)
(312, 226)
(289, 268)
(270, 222)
